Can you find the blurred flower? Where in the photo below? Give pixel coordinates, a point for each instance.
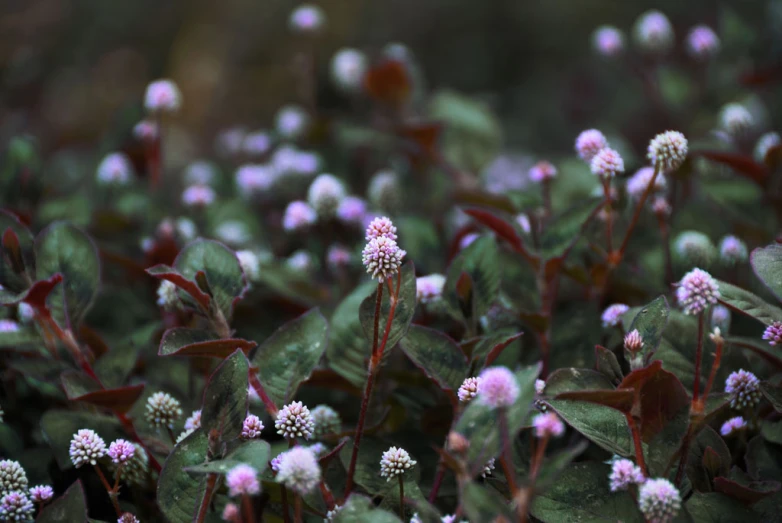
(289, 160)
(523, 221)
(331, 514)
(623, 474)
(257, 143)
(607, 163)
(115, 168)
(589, 143)
(540, 386)
(735, 119)
(733, 425)
(765, 144)
(163, 410)
(382, 257)
(200, 172)
(325, 194)
(696, 291)
(352, 210)
(7, 325)
(86, 447)
(695, 248)
(230, 142)
(608, 40)
(638, 182)
(497, 387)
(702, 42)
(198, 196)
(773, 333)
(659, 500)
(307, 19)
(506, 173)
(542, 171)
(292, 122)
(12, 476)
(167, 297)
(136, 470)
(667, 151)
(732, 250)
(661, 207)
(744, 388)
(298, 470)
(242, 480)
(348, 67)
(186, 228)
(467, 240)
(26, 312)
(488, 468)
(295, 421)
(429, 288)
(301, 261)
(194, 421)
(468, 389)
(250, 264)
(383, 191)
(612, 316)
(298, 215)
(162, 96)
(41, 494)
(183, 435)
(121, 451)
(127, 517)
(231, 512)
(338, 257)
(395, 461)
(233, 232)
(16, 506)
(653, 32)
(145, 131)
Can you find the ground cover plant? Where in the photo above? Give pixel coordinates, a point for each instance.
(376, 314)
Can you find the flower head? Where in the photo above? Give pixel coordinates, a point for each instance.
(659, 501)
(607, 163)
(542, 171)
(702, 42)
(327, 421)
(162, 96)
(467, 240)
(252, 427)
(167, 297)
(773, 333)
(325, 194)
(540, 386)
(633, 341)
(489, 467)
(86, 447)
(231, 512)
(383, 190)
(298, 470)
(331, 514)
(348, 67)
(468, 389)
(12, 476)
(733, 250)
(292, 122)
(720, 317)
(41, 494)
(395, 461)
(623, 474)
(242, 480)
(201, 172)
(194, 421)
(523, 221)
(547, 425)
(744, 388)
(696, 291)
(145, 131)
(653, 32)
(735, 119)
(257, 143)
(135, 471)
(382, 257)
(765, 144)
(694, 247)
(638, 182)
(352, 210)
(612, 316)
(198, 196)
(115, 168)
(16, 506)
(294, 421)
(607, 40)
(667, 151)
(301, 261)
(121, 451)
(307, 19)
(298, 215)
(250, 264)
(127, 517)
(7, 325)
(163, 410)
(589, 143)
(733, 425)
(254, 179)
(429, 289)
(497, 387)
(381, 227)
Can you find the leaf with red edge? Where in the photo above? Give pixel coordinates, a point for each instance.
(740, 163)
(620, 399)
(748, 494)
(71, 506)
(437, 355)
(496, 351)
(36, 295)
(164, 272)
(20, 246)
(504, 230)
(388, 81)
(181, 341)
(80, 387)
(12, 250)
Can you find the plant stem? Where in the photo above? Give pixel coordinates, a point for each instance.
(401, 497)
(639, 450)
(298, 508)
(285, 512)
(507, 457)
(247, 506)
(211, 483)
(438, 481)
(637, 215)
(271, 408)
(696, 384)
(609, 216)
(714, 366)
(109, 490)
(666, 241)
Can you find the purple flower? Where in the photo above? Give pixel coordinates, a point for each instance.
(198, 196)
(307, 19)
(548, 425)
(589, 143)
(86, 447)
(733, 250)
(497, 387)
(338, 257)
(145, 131)
(765, 144)
(467, 240)
(653, 32)
(733, 425)
(696, 291)
(231, 512)
(352, 209)
(194, 421)
(395, 461)
(115, 168)
(612, 316)
(7, 325)
(41, 493)
(744, 388)
(773, 333)
(542, 171)
(294, 421)
(429, 289)
(659, 501)
(252, 427)
(242, 480)
(162, 96)
(623, 474)
(348, 67)
(667, 151)
(121, 451)
(382, 258)
(468, 389)
(257, 143)
(489, 467)
(298, 215)
(607, 163)
(702, 42)
(299, 470)
(16, 506)
(292, 121)
(253, 179)
(638, 182)
(381, 227)
(608, 40)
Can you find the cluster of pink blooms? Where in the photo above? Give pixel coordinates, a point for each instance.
(242, 480)
(298, 470)
(298, 215)
(429, 289)
(547, 425)
(468, 389)
(497, 387)
(659, 500)
(733, 425)
(294, 421)
(252, 427)
(625, 473)
(696, 291)
(542, 171)
(381, 256)
(773, 333)
(198, 196)
(395, 461)
(744, 388)
(612, 316)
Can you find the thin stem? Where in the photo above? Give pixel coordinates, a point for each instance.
(211, 483)
(271, 408)
(438, 481)
(247, 508)
(298, 508)
(547, 197)
(666, 240)
(537, 461)
(171, 435)
(639, 450)
(609, 214)
(685, 449)
(507, 457)
(637, 214)
(696, 384)
(714, 366)
(286, 517)
(111, 493)
(401, 497)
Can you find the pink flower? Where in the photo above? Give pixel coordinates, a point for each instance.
(307, 19)
(252, 427)
(773, 333)
(298, 215)
(382, 258)
(41, 493)
(612, 316)
(198, 196)
(352, 209)
(121, 451)
(252, 179)
(338, 257)
(230, 512)
(299, 470)
(638, 182)
(653, 32)
(744, 388)
(381, 227)
(242, 480)
(696, 291)
(625, 473)
(659, 501)
(633, 341)
(162, 96)
(668, 150)
(547, 425)
(194, 421)
(468, 389)
(607, 163)
(702, 42)
(542, 171)
(86, 447)
(589, 143)
(429, 288)
(733, 425)
(608, 40)
(497, 387)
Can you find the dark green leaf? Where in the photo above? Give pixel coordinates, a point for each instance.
(348, 347)
(479, 260)
(405, 309)
(566, 380)
(773, 394)
(767, 263)
(225, 398)
(179, 493)
(484, 504)
(650, 322)
(65, 249)
(437, 355)
(700, 475)
(415, 501)
(602, 425)
(12, 281)
(181, 341)
(565, 229)
(80, 387)
(556, 464)
(717, 508)
(114, 367)
(59, 426)
(748, 303)
(360, 509)
(254, 452)
(608, 365)
(68, 508)
(290, 355)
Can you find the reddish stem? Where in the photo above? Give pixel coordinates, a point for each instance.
(609, 215)
(639, 450)
(696, 384)
(271, 408)
(247, 508)
(286, 517)
(109, 490)
(211, 483)
(401, 497)
(328, 497)
(298, 508)
(438, 480)
(714, 366)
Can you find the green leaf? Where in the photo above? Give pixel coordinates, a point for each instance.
(556, 464)
(602, 425)
(114, 367)
(348, 347)
(703, 466)
(479, 260)
(484, 504)
(254, 452)
(773, 394)
(69, 507)
(717, 508)
(9, 278)
(564, 230)
(767, 263)
(478, 423)
(290, 355)
(223, 273)
(59, 426)
(80, 387)
(581, 494)
(179, 493)
(748, 303)
(360, 509)
(567, 380)
(437, 355)
(65, 249)
(405, 309)
(182, 341)
(650, 322)
(225, 398)
(608, 365)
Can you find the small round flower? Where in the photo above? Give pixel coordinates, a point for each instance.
(348, 67)
(294, 420)
(765, 144)
(115, 169)
(659, 501)
(145, 131)
(299, 470)
(136, 470)
(41, 494)
(429, 289)
(242, 480)
(696, 291)
(661, 207)
(162, 96)
(194, 421)
(127, 517)
(732, 250)
(702, 42)
(325, 194)
(252, 427)
(383, 191)
(735, 119)
(167, 296)
(773, 333)
(186, 228)
(12, 476)
(382, 258)
(633, 341)
(638, 182)
(163, 410)
(547, 425)
(121, 451)
(381, 228)
(744, 388)
(667, 151)
(292, 122)
(608, 40)
(468, 389)
(653, 32)
(307, 19)
(589, 143)
(231, 512)
(338, 257)
(607, 163)
(695, 248)
(489, 467)
(301, 261)
(16, 506)
(250, 264)
(26, 312)
(298, 215)
(497, 387)
(7, 325)
(542, 171)
(198, 196)
(720, 317)
(200, 172)
(395, 461)
(255, 179)
(257, 143)
(540, 386)
(612, 316)
(733, 425)
(233, 232)
(352, 210)
(451, 518)
(289, 160)
(326, 420)
(86, 447)
(623, 474)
